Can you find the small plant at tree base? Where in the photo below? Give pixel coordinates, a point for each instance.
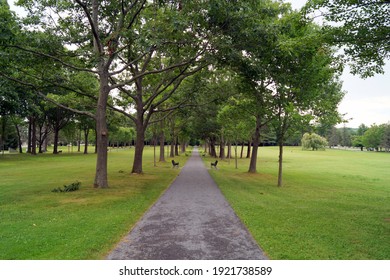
(313, 141)
(68, 188)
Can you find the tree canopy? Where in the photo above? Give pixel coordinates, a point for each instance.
(360, 27)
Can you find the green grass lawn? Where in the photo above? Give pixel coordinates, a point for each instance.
(36, 223)
(333, 205)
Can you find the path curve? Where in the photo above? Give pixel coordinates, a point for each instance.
(191, 221)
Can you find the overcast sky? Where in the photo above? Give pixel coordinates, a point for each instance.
(367, 100)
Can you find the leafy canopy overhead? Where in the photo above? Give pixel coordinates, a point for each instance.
(361, 27)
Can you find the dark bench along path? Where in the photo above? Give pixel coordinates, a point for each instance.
(191, 221)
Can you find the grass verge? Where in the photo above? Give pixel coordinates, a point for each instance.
(37, 224)
(333, 205)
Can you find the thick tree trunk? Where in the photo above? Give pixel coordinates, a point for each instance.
(101, 177)
(255, 142)
(222, 150)
(139, 148)
(280, 172)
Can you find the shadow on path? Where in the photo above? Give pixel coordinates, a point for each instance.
(191, 221)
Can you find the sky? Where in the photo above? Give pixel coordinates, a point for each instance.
(366, 101)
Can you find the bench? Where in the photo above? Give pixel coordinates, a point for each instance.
(214, 164)
(175, 164)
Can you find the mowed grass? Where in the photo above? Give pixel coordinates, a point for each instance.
(334, 204)
(36, 223)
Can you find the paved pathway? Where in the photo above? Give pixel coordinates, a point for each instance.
(191, 221)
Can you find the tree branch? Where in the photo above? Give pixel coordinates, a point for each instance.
(93, 24)
(53, 58)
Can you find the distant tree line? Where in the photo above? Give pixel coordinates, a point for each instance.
(374, 138)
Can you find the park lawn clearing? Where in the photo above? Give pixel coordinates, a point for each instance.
(334, 204)
(37, 223)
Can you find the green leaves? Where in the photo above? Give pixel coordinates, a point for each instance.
(361, 28)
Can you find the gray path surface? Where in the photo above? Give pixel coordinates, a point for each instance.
(191, 221)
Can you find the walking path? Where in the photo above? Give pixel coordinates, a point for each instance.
(191, 221)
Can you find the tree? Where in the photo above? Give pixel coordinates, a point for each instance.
(386, 137)
(361, 27)
(313, 141)
(372, 138)
(305, 87)
(362, 129)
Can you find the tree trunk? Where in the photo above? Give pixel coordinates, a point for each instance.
(280, 172)
(248, 152)
(154, 149)
(139, 148)
(56, 132)
(101, 177)
(79, 142)
(177, 146)
(33, 137)
(29, 137)
(235, 156)
(229, 151)
(162, 142)
(242, 149)
(222, 148)
(172, 150)
(46, 141)
(213, 152)
(183, 147)
(256, 141)
(86, 133)
(19, 139)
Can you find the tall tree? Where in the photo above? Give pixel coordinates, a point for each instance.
(303, 76)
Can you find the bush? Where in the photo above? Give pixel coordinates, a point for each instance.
(313, 141)
(68, 188)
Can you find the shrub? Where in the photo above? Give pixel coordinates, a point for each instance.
(313, 141)
(68, 188)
